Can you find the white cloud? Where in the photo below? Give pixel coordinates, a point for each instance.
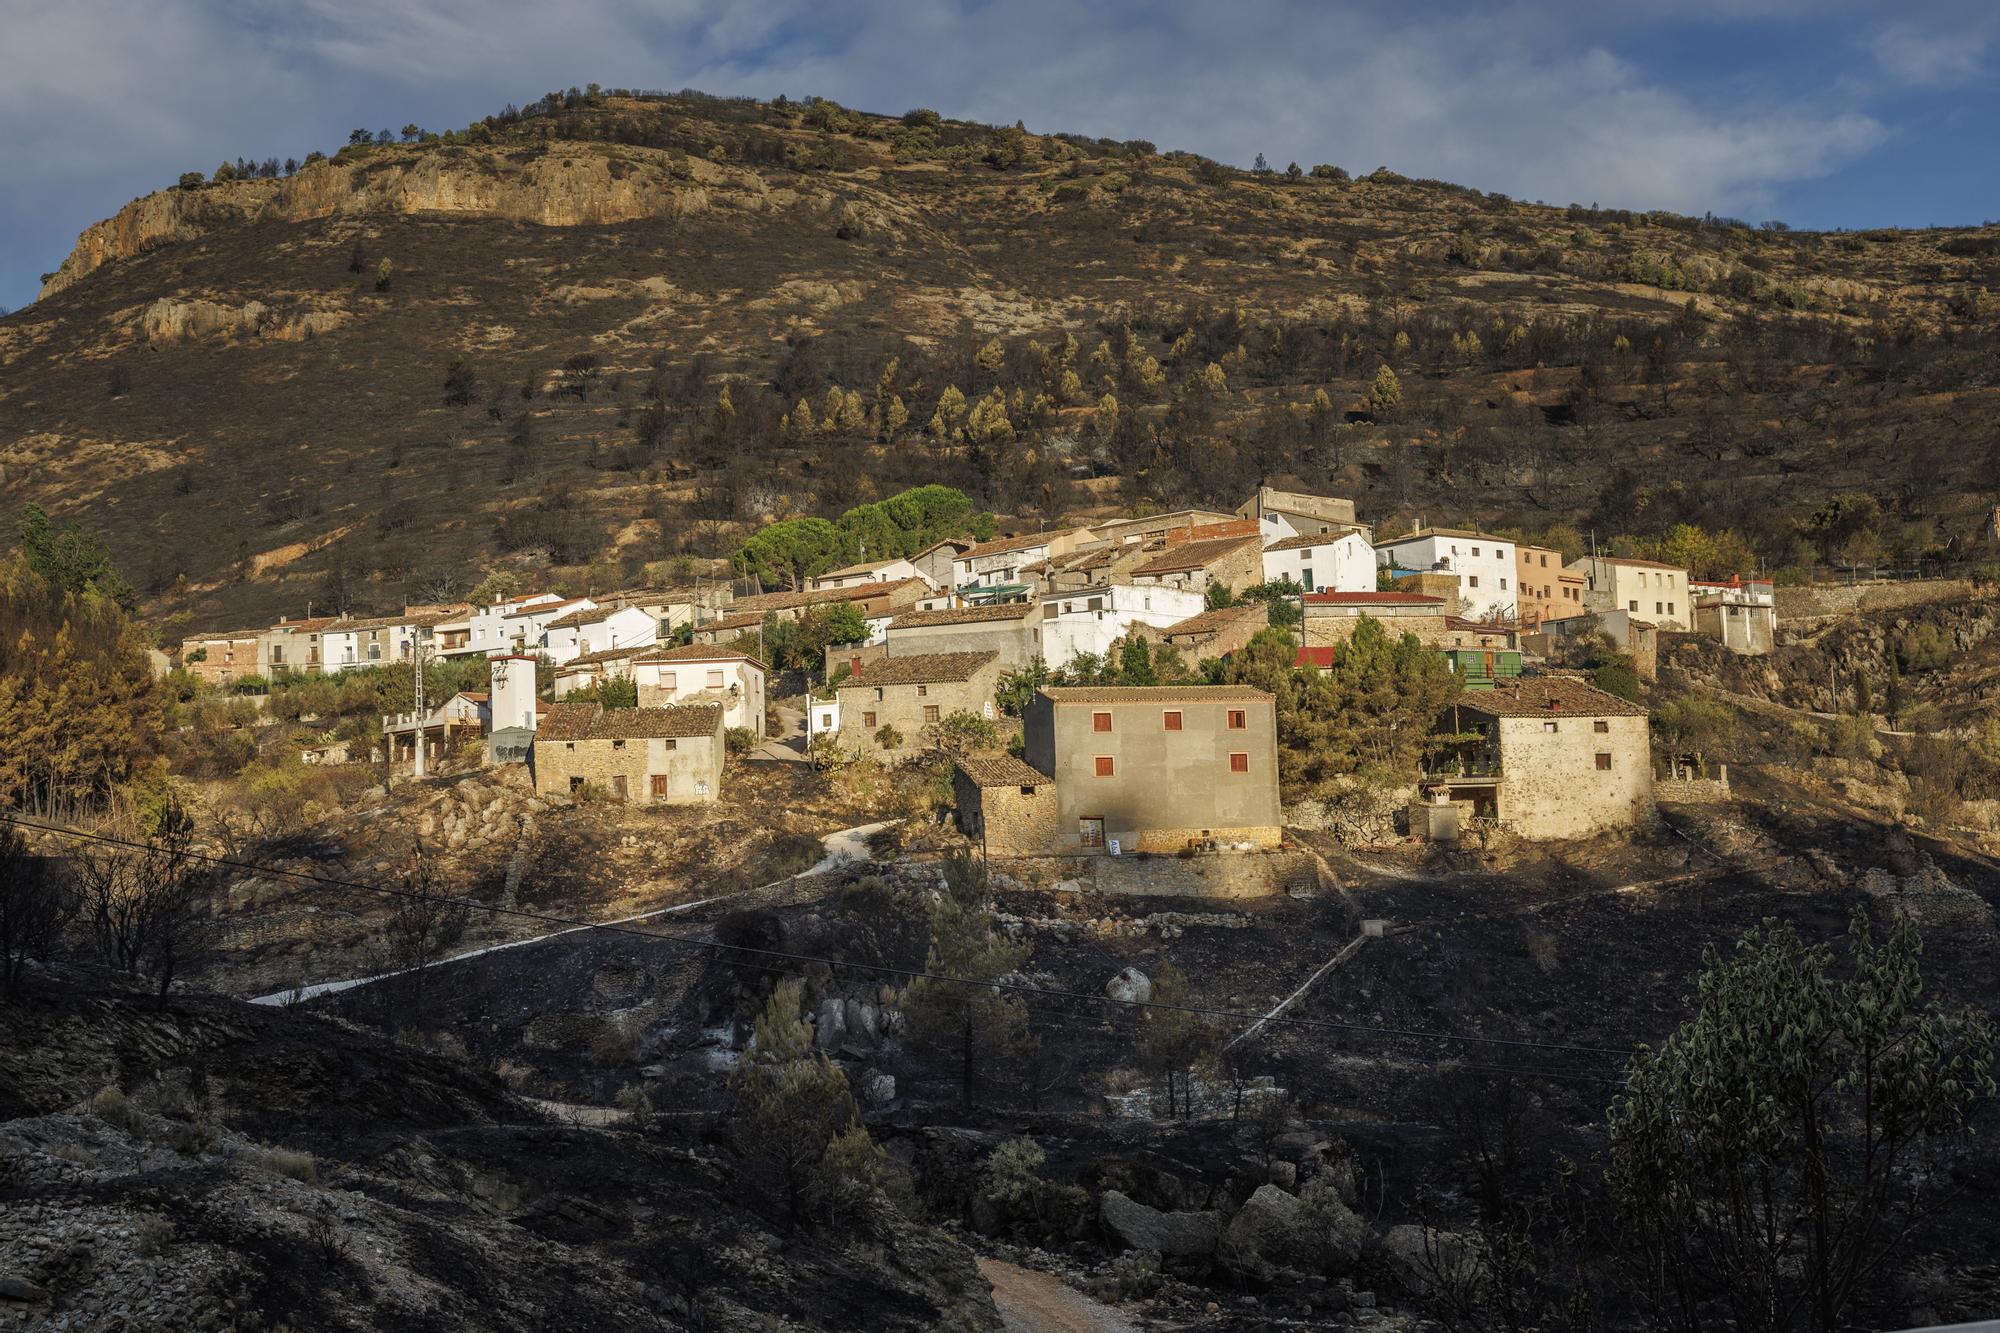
(106, 99)
(1929, 59)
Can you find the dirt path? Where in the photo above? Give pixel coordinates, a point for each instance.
(842, 846)
(1032, 1302)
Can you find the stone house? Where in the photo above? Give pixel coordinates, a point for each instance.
(1741, 613)
(729, 628)
(649, 756)
(1658, 592)
(1233, 562)
(1548, 757)
(1323, 562)
(1091, 620)
(1012, 631)
(1483, 564)
(223, 658)
(697, 673)
(597, 629)
(593, 669)
(464, 713)
(1215, 633)
(1007, 806)
(1638, 639)
(1186, 524)
(1282, 514)
(1102, 562)
(292, 647)
(1157, 768)
(1330, 617)
(870, 599)
(904, 695)
(997, 565)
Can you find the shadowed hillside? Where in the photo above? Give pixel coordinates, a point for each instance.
(578, 340)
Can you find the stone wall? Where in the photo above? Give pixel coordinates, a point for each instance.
(1822, 601)
(1017, 641)
(902, 707)
(1212, 875)
(1691, 791)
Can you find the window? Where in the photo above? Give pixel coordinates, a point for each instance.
(575, 784)
(1631, 606)
(1503, 585)
(1548, 726)
(868, 720)
(1170, 720)
(930, 712)
(1104, 766)
(1603, 762)
(1600, 726)
(1100, 721)
(826, 720)
(1545, 562)
(1238, 719)
(878, 693)
(715, 679)
(1472, 580)
(618, 745)
(659, 786)
(669, 681)
(1670, 609)
(1475, 552)
(923, 690)
(1239, 762)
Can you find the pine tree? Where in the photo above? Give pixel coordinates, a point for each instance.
(793, 1104)
(1174, 1039)
(895, 418)
(970, 1024)
(1387, 394)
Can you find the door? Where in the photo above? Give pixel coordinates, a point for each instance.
(618, 786)
(1090, 832)
(659, 786)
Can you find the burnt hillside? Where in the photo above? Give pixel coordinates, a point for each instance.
(249, 386)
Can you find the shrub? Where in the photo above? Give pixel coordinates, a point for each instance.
(153, 1234)
(291, 1165)
(739, 740)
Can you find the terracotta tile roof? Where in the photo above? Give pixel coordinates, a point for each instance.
(1002, 545)
(1548, 696)
(589, 615)
(594, 722)
(786, 601)
(544, 608)
(1147, 694)
(1000, 770)
(608, 655)
(220, 635)
(699, 652)
(743, 621)
(920, 669)
(1309, 540)
(1461, 533)
(1194, 555)
(1629, 564)
(962, 615)
(1214, 622)
(1372, 599)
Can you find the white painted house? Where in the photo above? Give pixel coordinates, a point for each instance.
(516, 623)
(892, 569)
(1323, 563)
(598, 629)
(1484, 564)
(1090, 620)
(699, 673)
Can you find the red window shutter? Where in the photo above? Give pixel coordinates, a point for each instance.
(1104, 766)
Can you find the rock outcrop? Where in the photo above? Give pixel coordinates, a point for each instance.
(1172, 1235)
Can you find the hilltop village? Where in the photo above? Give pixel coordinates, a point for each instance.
(1086, 682)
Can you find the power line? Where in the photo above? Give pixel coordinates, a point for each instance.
(785, 956)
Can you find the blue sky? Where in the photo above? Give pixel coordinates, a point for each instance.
(1826, 113)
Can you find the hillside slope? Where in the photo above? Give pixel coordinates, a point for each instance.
(244, 384)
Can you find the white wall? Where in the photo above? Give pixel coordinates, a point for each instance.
(740, 691)
(1485, 567)
(1082, 630)
(1339, 564)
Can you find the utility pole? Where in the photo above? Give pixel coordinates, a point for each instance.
(418, 644)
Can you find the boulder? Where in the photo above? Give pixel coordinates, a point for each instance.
(1177, 1235)
(1265, 1234)
(1130, 987)
(878, 1089)
(863, 1021)
(832, 1024)
(22, 1290)
(1432, 1260)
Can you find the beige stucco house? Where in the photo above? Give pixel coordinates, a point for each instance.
(1157, 768)
(1655, 592)
(698, 673)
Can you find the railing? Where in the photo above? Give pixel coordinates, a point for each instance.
(1462, 768)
